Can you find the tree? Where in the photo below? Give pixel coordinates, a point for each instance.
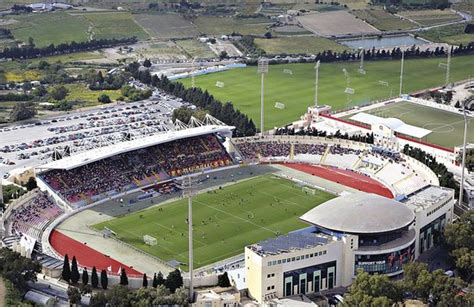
(85, 277)
(123, 278)
(223, 55)
(74, 295)
(118, 296)
(39, 91)
(59, 92)
(104, 98)
(27, 86)
(98, 300)
(174, 280)
(104, 280)
(74, 271)
(66, 273)
(145, 281)
(160, 280)
(17, 269)
(31, 184)
(147, 63)
(155, 281)
(223, 280)
(94, 278)
(268, 35)
(22, 111)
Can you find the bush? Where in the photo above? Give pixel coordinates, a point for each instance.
(104, 98)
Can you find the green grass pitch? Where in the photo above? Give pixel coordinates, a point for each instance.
(447, 127)
(225, 220)
(296, 91)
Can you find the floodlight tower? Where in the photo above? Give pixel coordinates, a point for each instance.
(262, 69)
(401, 72)
(193, 79)
(361, 53)
(187, 186)
(316, 83)
(463, 163)
(448, 66)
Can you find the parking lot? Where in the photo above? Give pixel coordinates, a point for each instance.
(25, 145)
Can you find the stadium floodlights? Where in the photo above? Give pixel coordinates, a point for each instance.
(220, 84)
(149, 240)
(383, 83)
(288, 71)
(279, 105)
(349, 91)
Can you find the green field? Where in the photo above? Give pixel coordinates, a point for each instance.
(447, 127)
(430, 17)
(296, 91)
(195, 49)
(224, 220)
(114, 25)
(227, 25)
(298, 44)
(383, 20)
(50, 28)
(165, 26)
(453, 34)
(80, 92)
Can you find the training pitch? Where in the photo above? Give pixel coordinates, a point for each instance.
(447, 127)
(296, 91)
(225, 220)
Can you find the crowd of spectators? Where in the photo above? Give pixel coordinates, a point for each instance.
(311, 149)
(34, 215)
(339, 150)
(132, 169)
(255, 150)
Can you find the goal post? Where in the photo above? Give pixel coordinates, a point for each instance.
(288, 71)
(308, 190)
(149, 240)
(220, 84)
(279, 105)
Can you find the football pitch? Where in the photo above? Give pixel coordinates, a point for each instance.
(447, 127)
(225, 220)
(296, 90)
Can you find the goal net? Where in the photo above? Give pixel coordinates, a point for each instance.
(149, 240)
(220, 84)
(287, 71)
(279, 105)
(310, 191)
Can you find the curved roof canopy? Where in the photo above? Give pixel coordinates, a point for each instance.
(360, 213)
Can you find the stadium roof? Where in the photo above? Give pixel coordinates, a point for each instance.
(360, 213)
(97, 154)
(393, 123)
(291, 241)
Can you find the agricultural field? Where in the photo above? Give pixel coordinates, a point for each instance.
(447, 128)
(453, 34)
(296, 91)
(22, 75)
(80, 92)
(298, 44)
(195, 49)
(225, 220)
(227, 25)
(71, 57)
(114, 25)
(50, 28)
(165, 26)
(383, 20)
(430, 17)
(335, 23)
(159, 50)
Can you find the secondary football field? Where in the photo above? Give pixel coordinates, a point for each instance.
(296, 90)
(447, 127)
(225, 220)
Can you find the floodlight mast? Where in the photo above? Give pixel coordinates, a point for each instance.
(463, 163)
(262, 69)
(401, 72)
(448, 66)
(316, 83)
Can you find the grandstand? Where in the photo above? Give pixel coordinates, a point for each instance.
(134, 164)
(401, 174)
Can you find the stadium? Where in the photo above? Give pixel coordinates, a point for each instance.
(123, 206)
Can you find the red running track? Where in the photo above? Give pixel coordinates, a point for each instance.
(86, 256)
(344, 177)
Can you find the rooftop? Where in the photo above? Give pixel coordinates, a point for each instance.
(360, 213)
(426, 197)
(393, 123)
(289, 242)
(97, 154)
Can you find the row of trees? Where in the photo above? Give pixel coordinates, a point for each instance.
(371, 54)
(446, 178)
(198, 97)
(435, 288)
(367, 138)
(31, 51)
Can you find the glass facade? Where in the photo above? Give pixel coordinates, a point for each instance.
(429, 233)
(385, 263)
(310, 279)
